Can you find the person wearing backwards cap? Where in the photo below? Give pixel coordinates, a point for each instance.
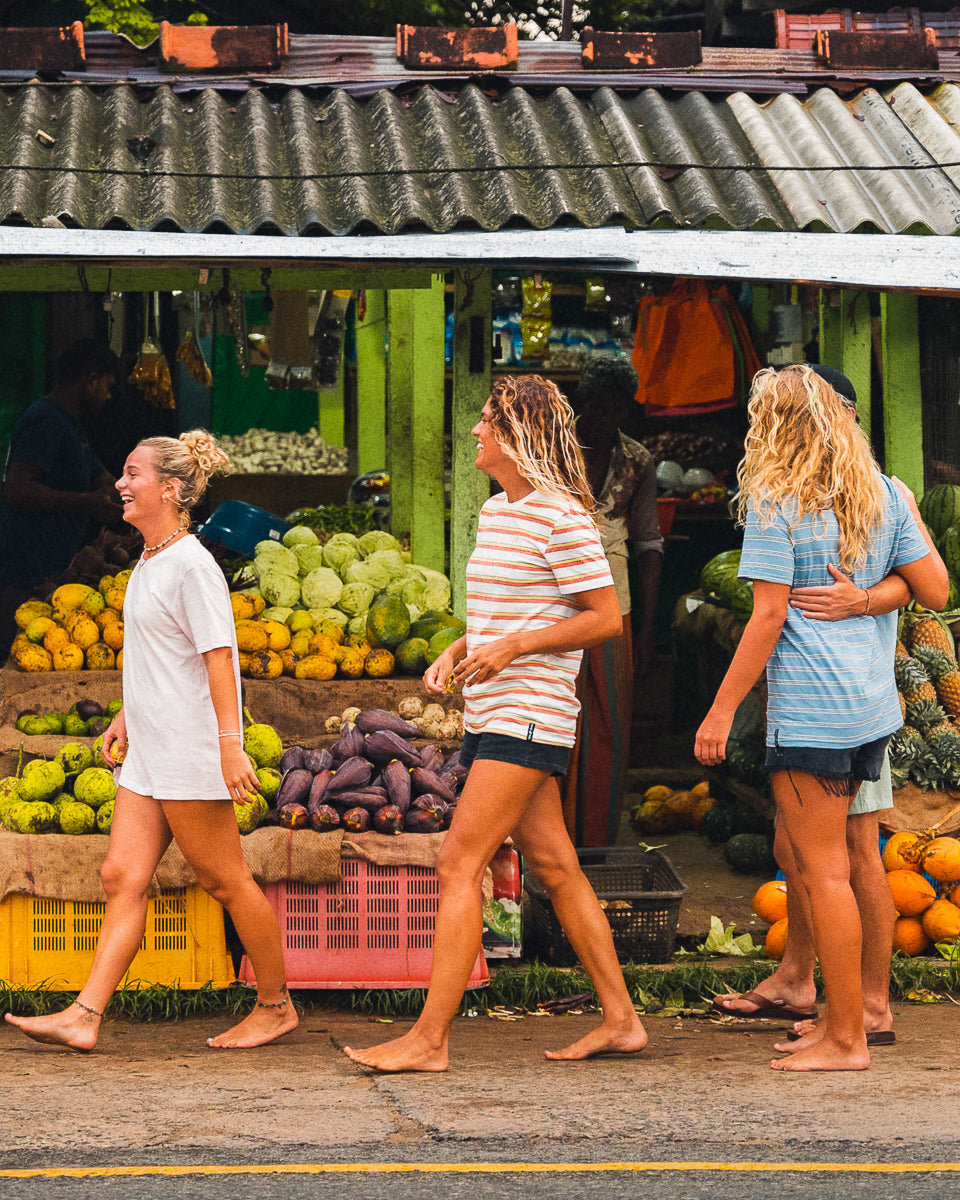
(790, 991)
(817, 509)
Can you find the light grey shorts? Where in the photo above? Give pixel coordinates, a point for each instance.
(874, 796)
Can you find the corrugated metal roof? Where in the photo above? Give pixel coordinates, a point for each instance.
(299, 162)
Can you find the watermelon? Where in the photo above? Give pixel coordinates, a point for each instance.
(719, 576)
(742, 603)
(949, 547)
(717, 824)
(750, 853)
(940, 508)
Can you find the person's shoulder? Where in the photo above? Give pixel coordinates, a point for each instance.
(634, 450)
(194, 556)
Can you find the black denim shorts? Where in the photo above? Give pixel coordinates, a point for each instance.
(847, 766)
(540, 756)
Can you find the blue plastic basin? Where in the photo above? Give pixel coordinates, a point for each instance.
(239, 526)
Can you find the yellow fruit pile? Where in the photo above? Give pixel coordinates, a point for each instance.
(925, 913)
(662, 809)
(301, 648)
(81, 627)
(770, 905)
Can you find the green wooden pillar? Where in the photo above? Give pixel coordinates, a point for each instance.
(902, 410)
(415, 406)
(830, 331)
(856, 349)
(330, 420)
(472, 342)
(372, 384)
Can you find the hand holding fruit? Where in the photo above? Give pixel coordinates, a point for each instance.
(436, 675)
(115, 734)
(239, 773)
(487, 661)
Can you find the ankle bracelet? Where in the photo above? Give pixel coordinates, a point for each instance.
(280, 1003)
(86, 1008)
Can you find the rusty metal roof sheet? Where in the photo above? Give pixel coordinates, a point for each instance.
(299, 162)
(797, 31)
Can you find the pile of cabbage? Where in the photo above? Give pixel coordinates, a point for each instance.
(339, 580)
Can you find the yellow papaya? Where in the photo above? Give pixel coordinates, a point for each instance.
(68, 658)
(351, 663)
(56, 638)
(278, 635)
(265, 664)
(100, 657)
(242, 606)
(251, 636)
(112, 634)
(70, 595)
(30, 609)
(33, 658)
(85, 633)
(378, 663)
(315, 666)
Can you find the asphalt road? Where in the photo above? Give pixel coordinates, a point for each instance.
(154, 1113)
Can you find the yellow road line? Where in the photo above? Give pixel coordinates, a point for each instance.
(480, 1168)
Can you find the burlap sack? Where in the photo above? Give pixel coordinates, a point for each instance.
(915, 811)
(68, 868)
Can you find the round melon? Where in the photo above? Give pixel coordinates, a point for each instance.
(741, 604)
(949, 547)
(411, 656)
(718, 577)
(940, 508)
(441, 640)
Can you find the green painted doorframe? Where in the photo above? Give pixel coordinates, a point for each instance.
(472, 363)
(372, 383)
(845, 343)
(415, 420)
(902, 403)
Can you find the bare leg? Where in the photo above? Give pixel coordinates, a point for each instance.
(206, 831)
(494, 796)
(792, 981)
(139, 835)
(877, 916)
(815, 822)
(542, 839)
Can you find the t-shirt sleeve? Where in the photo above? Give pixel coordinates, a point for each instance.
(32, 443)
(768, 549)
(202, 610)
(575, 554)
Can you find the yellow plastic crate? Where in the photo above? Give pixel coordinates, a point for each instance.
(51, 942)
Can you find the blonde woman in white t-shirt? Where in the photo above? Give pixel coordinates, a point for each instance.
(180, 743)
(539, 591)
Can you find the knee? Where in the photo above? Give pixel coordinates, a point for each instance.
(119, 879)
(456, 869)
(554, 873)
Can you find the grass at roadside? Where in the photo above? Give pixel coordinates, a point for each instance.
(689, 985)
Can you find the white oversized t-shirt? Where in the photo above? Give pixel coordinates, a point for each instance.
(531, 558)
(177, 607)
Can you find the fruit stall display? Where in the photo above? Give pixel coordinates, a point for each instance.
(923, 871)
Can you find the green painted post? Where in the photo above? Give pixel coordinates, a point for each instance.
(902, 410)
(372, 385)
(473, 314)
(330, 418)
(427, 516)
(400, 389)
(856, 350)
(830, 335)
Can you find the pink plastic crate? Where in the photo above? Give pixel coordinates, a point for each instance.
(372, 929)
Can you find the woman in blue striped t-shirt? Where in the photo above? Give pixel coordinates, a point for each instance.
(811, 494)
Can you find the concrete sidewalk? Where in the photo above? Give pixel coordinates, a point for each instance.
(150, 1091)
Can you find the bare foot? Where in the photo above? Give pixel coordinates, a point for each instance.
(812, 1035)
(605, 1039)
(783, 1002)
(825, 1055)
(411, 1052)
(258, 1028)
(73, 1028)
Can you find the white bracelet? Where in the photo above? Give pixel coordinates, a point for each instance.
(233, 733)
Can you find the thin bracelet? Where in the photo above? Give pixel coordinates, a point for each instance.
(229, 733)
(866, 592)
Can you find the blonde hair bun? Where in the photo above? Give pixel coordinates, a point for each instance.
(188, 461)
(207, 454)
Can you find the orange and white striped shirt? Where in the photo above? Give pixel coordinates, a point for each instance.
(529, 558)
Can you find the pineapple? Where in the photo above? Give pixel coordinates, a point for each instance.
(930, 631)
(923, 713)
(944, 741)
(942, 669)
(912, 679)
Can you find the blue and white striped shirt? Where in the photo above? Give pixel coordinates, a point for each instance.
(830, 683)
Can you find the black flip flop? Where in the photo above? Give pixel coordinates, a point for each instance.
(879, 1037)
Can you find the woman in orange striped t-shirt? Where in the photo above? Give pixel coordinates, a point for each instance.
(539, 592)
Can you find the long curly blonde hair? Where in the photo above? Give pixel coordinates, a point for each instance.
(534, 424)
(802, 447)
(189, 461)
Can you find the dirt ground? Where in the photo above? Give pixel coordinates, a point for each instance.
(151, 1090)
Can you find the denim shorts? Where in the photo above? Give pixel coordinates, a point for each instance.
(841, 769)
(539, 756)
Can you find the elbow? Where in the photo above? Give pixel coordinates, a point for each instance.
(936, 592)
(614, 627)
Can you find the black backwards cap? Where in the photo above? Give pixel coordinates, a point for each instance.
(838, 381)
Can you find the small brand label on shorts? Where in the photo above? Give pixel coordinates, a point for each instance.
(530, 728)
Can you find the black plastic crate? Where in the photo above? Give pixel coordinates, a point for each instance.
(640, 893)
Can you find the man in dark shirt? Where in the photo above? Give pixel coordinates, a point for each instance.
(54, 483)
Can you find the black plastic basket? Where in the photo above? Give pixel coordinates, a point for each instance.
(640, 893)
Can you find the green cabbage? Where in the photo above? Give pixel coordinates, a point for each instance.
(437, 592)
(377, 539)
(309, 558)
(321, 588)
(339, 555)
(356, 598)
(277, 559)
(329, 614)
(299, 535)
(279, 589)
(378, 570)
(277, 614)
(267, 546)
(358, 626)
